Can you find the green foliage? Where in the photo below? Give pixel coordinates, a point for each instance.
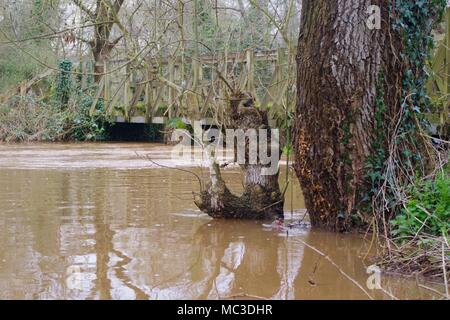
(161, 109)
(16, 66)
(288, 149)
(30, 19)
(177, 123)
(207, 26)
(427, 209)
(39, 13)
(64, 82)
(62, 116)
(119, 110)
(257, 36)
(141, 108)
(84, 126)
(415, 20)
(24, 119)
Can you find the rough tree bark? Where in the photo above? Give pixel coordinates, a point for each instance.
(262, 198)
(340, 60)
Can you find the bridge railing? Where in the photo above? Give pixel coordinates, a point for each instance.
(164, 87)
(438, 86)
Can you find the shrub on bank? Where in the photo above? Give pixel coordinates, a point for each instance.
(24, 119)
(427, 209)
(62, 113)
(419, 244)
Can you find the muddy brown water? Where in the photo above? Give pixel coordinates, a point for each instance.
(94, 221)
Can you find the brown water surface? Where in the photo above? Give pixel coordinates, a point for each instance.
(94, 221)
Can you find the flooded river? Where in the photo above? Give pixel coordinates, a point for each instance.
(94, 221)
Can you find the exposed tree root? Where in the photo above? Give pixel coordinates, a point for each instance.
(259, 201)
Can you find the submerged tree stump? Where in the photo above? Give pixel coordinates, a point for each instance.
(261, 198)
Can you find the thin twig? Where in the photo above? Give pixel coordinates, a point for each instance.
(147, 157)
(444, 270)
(337, 267)
(243, 295)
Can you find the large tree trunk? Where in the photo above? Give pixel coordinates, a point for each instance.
(339, 64)
(262, 198)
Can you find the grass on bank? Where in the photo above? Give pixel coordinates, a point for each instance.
(419, 243)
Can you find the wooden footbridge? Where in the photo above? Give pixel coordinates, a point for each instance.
(157, 90)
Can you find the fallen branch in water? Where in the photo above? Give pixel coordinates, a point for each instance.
(146, 157)
(242, 295)
(444, 269)
(337, 267)
(389, 294)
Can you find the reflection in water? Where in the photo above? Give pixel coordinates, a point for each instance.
(89, 221)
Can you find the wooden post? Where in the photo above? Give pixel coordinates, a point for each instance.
(277, 89)
(200, 72)
(114, 100)
(147, 100)
(440, 84)
(176, 74)
(444, 116)
(171, 93)
(101, 87)
(251, 74)
(126, 93)
(196, 64)
(106, 77)
(84, 69)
